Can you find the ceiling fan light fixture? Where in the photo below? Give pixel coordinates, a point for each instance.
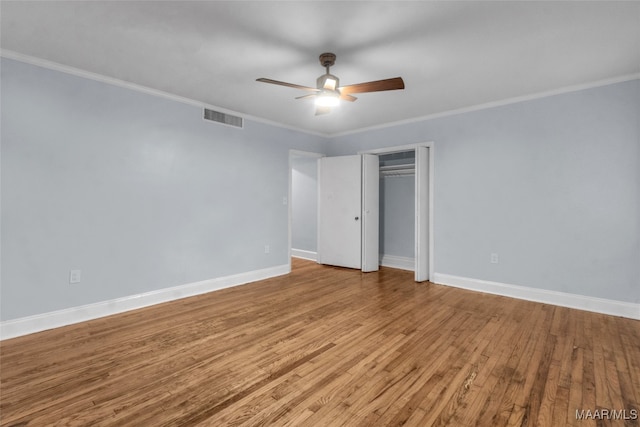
(328, 91)
(328, 98)
(328, 82)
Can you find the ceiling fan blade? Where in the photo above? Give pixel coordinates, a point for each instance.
(322, 110)
(375, 86)
(346, 97)
(295, 86)
(311, 95)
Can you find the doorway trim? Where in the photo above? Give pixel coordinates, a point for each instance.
(292, 154)
(430, 146)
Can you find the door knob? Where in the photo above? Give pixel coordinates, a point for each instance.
(357, 218)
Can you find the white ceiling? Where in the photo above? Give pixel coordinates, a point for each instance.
(451, 55)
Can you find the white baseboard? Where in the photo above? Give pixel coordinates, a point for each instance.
(402, 263)
(563, 299)
(40, 322)
(300, 253)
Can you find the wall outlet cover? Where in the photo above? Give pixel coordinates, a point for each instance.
(75, 276)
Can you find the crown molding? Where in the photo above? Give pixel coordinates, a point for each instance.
(494, 104)
(50, 65)
(43, 63)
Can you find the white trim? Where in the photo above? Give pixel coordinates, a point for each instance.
(493, 104)
(50, 65)
(400, 262)
(432, 198)
(563, 299)
(300, 253)
(396, 148)
(41, 322)
(9, 54)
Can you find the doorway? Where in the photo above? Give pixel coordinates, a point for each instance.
(303, 204)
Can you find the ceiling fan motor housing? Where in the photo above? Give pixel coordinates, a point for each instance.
(327, 59)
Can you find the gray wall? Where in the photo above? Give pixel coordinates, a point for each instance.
(141, 194)
(304, 203)
(551, 185)
(135, 190)
(397, 216)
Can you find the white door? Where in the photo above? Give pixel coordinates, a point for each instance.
(340, 211)
(370, 213)
(347, 233)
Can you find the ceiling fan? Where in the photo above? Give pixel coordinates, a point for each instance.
(328, 91)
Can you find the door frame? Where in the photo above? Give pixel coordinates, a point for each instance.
(430, 146)
(292, 154)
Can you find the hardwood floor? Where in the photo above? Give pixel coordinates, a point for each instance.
(327, 346)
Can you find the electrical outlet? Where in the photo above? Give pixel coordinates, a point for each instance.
(266, 249)
(75, 276)
(494, 258)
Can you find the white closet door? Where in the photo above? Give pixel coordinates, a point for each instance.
(422, 214)
(370, 212)
(340, 211)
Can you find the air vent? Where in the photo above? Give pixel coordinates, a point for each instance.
(224, 118)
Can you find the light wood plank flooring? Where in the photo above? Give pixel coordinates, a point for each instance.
(327, 346)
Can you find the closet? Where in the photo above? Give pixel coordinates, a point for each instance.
(408, 161)
(349, 208)
(397, 210)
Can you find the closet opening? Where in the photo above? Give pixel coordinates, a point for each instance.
(397, 209)
(303, 206)
(400, 224)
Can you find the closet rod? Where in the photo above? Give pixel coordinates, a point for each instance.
(397, 170)
(393, 168)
